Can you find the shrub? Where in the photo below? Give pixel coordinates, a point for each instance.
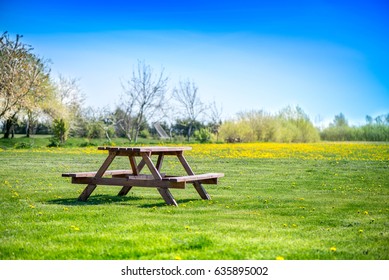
(203, 135)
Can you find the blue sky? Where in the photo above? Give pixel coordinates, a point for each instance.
(325, 56)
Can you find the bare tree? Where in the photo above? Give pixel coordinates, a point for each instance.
(144, 95)
(189, 101)
(215, 117)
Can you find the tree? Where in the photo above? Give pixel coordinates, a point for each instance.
(189, 101)
(144, 96)
(24, 78)
(100, 123)
(340, 121)
(66, 107)
(215, 116)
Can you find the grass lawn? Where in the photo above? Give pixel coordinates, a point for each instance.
(266, 207)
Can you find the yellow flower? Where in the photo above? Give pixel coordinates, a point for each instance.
(333, 249)
(177, 258)
(279, 258)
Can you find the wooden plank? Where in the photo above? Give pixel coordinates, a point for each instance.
(197, 185)
(159, 162)
(192, 178)
(153, 149)
(86, 192)
(105, 164)
(93, 173)
(126, 189)
(134, 167)
(152, 183)
(92, 186)
(167, 196)
(150, 165)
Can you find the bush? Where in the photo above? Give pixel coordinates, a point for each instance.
(22, 145)
(60, 131)
(237, 131)
(290, 125)
(203, 135)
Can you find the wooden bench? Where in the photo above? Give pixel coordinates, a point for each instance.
(142, 180)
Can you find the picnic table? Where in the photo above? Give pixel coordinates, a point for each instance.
(132, 177)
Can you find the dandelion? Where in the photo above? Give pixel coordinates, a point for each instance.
(32, 206)
(285, 225)
(333, 249)
(177, 258)
(279, 258)
(187, 227)
(360, 231)
(75, 228)
(365, 212)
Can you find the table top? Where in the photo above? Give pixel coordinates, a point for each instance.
(153, 149)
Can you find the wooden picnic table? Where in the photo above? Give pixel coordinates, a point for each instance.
(132, 177)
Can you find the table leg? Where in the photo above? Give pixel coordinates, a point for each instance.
(136, 169)
(151, 166)
(159, 162)
(91, 187)
(167, 196)
(87, 192)
(198, 186)
(155, 170)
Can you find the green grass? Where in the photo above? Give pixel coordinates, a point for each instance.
(261, 209)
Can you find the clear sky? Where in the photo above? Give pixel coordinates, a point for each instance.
(325, 56)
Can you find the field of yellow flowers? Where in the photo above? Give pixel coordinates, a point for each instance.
(315, 151)
(308, 151)
(276, 201)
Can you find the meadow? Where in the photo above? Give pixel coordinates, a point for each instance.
(276, 201)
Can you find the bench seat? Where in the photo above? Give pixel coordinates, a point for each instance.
(207, 178)
(93, 173)
(125, 178)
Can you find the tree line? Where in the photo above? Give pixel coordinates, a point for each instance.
(32, 101)
(31, 98)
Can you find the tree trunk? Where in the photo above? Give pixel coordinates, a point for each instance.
(9, 128)
(189, 131)
(28, 128)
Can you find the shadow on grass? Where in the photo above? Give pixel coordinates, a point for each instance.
(108, 199)
(162, 203)
(94, 200)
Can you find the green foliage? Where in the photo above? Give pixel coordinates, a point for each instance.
(203, 135)
(289, 125)
(23, 145)
(60, 131)
(145, 133)
(339, 130)
(95, 130)
(233, 131)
